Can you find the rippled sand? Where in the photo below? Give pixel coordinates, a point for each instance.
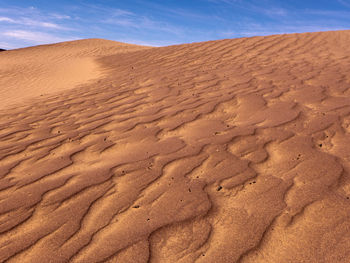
(223, 151)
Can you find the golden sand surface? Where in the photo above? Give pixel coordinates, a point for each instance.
(37, 71)
(222, 151)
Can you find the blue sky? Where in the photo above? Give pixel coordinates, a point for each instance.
(163, 22)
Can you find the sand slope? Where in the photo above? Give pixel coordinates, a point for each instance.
(223, 151)
(48, 69)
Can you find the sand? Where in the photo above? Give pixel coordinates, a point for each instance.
(48, 69)
(222, 151)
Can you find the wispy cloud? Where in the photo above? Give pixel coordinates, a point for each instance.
(121, 12)
(31, 22)
(327, 13)
(143, 23)
(35, 23)
(31, 17)
(160, 23)
(345, 3)
(34, 36)
(31, 26)
(224, 1)
(272, 11)
(270, 17)
(6, 19)
(184, 13)
(131, 20)
(258, 7)
(60, 16)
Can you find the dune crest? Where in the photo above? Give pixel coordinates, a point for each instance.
(220, 151)
(46, 69)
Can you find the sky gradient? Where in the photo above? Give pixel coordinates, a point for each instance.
(163, 22)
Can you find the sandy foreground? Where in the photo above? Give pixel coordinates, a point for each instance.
(222, 151)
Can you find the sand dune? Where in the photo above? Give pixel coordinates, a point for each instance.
(222, 151)
(41, 70)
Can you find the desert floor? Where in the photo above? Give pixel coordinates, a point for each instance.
(223, 151)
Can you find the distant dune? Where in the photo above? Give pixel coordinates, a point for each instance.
(223, 151)
(47, 69)
(2, 49)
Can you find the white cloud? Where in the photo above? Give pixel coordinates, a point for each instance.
(6, 19)
(34, 36)
(60, 16)
(31, 17)
(36, 23)
(30, 26)
(49, 25)
(121, 12)
(32, 22)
